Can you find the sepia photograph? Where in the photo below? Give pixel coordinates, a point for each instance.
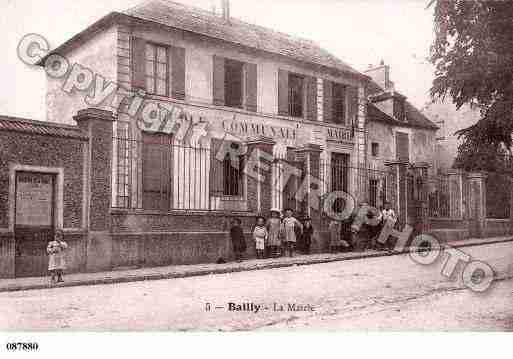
(282, 166)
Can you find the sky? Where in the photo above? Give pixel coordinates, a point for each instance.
(359, 32)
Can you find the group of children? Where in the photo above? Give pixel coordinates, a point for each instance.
(274, 236)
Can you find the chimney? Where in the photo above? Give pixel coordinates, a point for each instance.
(226, 10)
(381, 75)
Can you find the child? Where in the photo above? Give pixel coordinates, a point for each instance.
(56, 257)
(260, 236)
(237, 238)
(290, 226)
(274, 228)
(335, 229)
(307, 235)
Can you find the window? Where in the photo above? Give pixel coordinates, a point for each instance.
(296, 95)
(157, 72)
(339, 103)
(375, 149)
(233, 174)
(233, 82)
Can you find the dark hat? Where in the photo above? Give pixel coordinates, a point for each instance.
(307, 218)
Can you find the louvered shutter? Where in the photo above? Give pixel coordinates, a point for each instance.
(138, 63)
(251, 86)
(219, 94)
(177, 66)
(311, 98)
(352, 102)
(283, 92)
(402, 146)
(327, 101)
(216, 169)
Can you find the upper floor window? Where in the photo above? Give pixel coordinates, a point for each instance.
(157, 73)
(340, 103)
(235, 83)
(158, 69)
(296, 95)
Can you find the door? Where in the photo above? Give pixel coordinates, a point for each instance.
(339, 178)
(34, 222)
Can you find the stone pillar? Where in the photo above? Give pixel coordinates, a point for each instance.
(477, 183)
(399, 203)
(258, 171)
(421, 224)
(311, 186)
(98, 124)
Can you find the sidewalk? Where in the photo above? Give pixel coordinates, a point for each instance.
(182, 271)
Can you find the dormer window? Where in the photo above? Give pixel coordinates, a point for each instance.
(399, 112)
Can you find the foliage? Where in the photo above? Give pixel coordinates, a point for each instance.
(473, 57)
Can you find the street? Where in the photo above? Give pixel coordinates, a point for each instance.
(385, 293)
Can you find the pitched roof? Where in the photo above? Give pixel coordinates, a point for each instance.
(22, 125)
(204, 22)
(414, 117)
(196, 20)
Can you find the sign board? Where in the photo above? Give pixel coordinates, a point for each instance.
(34, 199)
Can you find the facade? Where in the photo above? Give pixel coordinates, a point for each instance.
(229, 90)
(449, 120)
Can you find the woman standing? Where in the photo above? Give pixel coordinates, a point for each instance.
(56, 250)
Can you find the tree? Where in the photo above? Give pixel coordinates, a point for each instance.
(473, 57)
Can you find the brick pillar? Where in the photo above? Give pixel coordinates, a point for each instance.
(399, 171)
(477, 183)
(311, 187)
(98, 124)
(421, 224)
(258, 172)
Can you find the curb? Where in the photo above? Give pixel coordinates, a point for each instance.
(203, 272)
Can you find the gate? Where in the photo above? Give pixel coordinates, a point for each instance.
(34, 222)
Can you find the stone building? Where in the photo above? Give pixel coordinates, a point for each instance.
(154, 115)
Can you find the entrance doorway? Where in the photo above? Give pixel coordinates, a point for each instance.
(34, 222)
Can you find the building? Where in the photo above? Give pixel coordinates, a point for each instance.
(129, 193)
(449, 121)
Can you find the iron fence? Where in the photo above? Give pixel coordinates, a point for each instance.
(154, 173)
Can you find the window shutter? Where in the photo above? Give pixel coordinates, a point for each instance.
(216, 169)
(352, 99)
(251, 87)
(177, 66)
(283, 92)
(138, 63)
(219, 81)
(311, 98)
(328, 101)
(402, 146)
